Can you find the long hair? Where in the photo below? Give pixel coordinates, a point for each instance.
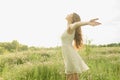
(78, 41)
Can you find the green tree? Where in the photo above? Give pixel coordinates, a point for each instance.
(15, 45)
(2, 50)
(23, 47)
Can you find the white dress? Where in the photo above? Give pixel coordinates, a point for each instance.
(73, 62)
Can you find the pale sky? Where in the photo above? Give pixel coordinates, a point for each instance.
(41, 22)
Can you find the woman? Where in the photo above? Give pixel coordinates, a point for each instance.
(74, 64)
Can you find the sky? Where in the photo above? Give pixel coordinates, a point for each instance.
(41, 22)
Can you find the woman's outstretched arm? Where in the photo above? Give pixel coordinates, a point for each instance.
(92, 22)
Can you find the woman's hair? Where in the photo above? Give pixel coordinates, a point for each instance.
(78, 41)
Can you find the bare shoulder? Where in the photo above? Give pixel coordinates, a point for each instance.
(70, 30)
(74, 26)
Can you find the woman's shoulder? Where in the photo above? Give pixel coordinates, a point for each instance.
(69, 30)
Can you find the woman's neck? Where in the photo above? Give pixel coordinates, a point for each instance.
(69, 23)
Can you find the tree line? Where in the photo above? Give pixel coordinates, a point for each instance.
(111, 45)
(15, 46)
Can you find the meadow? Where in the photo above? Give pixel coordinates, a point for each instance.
(47, 64)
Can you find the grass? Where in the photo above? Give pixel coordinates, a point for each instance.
(47, 64)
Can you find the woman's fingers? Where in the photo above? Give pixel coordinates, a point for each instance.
(99, 23)
(96, 23)
(94, 19)
(93, 22)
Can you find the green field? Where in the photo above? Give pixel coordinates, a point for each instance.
(47, 64)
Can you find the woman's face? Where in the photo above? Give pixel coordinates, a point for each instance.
(69, 17)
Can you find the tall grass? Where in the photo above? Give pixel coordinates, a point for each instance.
(47, 64)
(33, 72)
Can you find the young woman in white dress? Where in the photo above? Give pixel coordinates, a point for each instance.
(74, 64)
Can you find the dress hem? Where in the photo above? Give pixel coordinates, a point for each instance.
(77, 72)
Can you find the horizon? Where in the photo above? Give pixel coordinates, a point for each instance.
(60, 45)
(34, 24)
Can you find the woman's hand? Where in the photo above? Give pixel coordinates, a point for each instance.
(93, 22)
